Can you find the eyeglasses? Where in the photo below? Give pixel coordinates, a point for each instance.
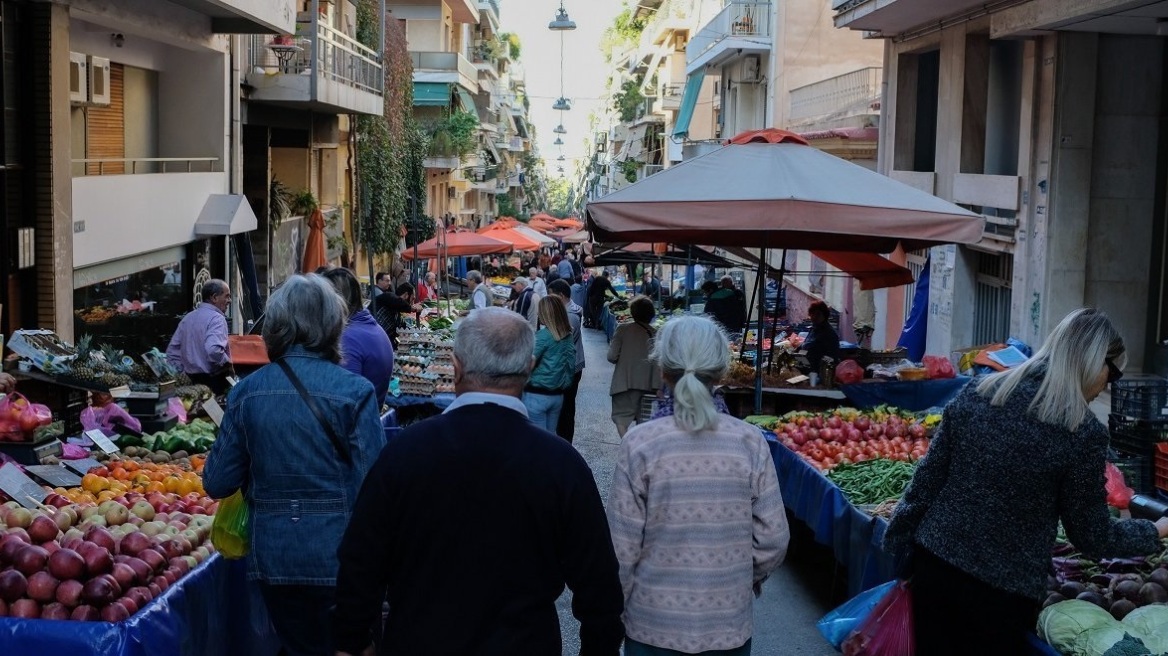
(1114, 373)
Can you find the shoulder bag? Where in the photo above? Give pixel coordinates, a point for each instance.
(342, 449)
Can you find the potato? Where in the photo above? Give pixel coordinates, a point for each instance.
(179, 454)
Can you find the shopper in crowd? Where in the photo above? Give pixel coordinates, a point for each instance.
(537, 283)
(537, 523)
(566, 427)
(598, 292)
(480, 293)
(544, 260)
(553, 365)
(399, 274)
(381, 284)
(687, 585)
(822, 340)
(199, 345)
(389, 309)
(650, 287)
(634, 375)
(727, 306)
(428, 289)
(298, 437)
(1016, 453)
(365, 347)
(524, 302)
(565, 268)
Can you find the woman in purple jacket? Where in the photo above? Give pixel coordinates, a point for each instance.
(365, 348)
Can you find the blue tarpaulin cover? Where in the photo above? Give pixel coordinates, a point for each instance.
(911, 395)
(209, 612)
(917, 327)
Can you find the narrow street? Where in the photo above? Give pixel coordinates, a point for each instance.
(795, 596)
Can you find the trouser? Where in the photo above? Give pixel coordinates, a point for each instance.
(634, 648)
(947, 602)
(217, 382)
(301, 615)
(566, 425)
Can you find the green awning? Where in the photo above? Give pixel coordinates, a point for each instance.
(431, 94)
(689, 100)
(467, 101)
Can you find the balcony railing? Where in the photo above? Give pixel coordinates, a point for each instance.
(337, 57)
(144, 165)
(650, 169)
(668, 11)
(836, 94)
(737, 19)
(444, 61)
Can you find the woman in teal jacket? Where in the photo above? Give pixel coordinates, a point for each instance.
(553, 365)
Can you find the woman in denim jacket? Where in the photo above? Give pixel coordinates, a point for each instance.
(297, 482)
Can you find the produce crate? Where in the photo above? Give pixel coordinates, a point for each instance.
(1137, 437)
(1137, 472)
(1140, 398)
(1161, 466)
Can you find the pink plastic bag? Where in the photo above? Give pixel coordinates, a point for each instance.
(888, 630)
(849, 372)
(1119, 495)
(939, 367)
(73, 452)
(105, 417)
(19, 418)
(175, 408)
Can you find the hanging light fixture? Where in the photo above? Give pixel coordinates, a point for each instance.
(560, 158)
(558, 142)
(561, 22)
(560, 129)
(559, 169)
(562, 104)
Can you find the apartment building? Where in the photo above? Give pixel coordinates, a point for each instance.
(1046, 117)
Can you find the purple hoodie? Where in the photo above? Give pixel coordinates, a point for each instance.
(366, 351)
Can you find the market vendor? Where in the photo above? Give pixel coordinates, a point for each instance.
(7, 383)
(199, 347)
(597, 294)
(390, 307)
(822, 340)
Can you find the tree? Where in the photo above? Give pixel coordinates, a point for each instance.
(627, 102)
(559, 197)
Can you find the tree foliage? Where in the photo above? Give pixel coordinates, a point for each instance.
(456, 135)
(627, 102)
(559, 197)
(622, 33)
(513, 45)
(391, 147)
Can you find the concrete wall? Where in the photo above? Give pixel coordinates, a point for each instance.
(194, 106)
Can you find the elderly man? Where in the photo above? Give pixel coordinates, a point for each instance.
(537, 283)
(199, 347)
(480, 293)
(525, 303)
(536, 524)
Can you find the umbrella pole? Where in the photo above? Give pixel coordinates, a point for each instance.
(746, 327)
(758, 337)
(688, 273)
(775, 316)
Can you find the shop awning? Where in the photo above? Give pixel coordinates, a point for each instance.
(466, 101)
(689, 100)
(432, 94)
(225, 214)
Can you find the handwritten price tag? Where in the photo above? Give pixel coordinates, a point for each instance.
(213, 411)
(82, 466)
(101, 441)
(20, 487)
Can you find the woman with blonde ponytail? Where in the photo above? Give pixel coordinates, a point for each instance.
(696, 468)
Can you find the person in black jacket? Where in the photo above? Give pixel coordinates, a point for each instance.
(472, 534)
(822, 341)
(597, 294)
(727, 305)
(388, 309)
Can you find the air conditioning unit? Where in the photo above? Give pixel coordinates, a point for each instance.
(751, 69)
(99, 81)
(78, 78)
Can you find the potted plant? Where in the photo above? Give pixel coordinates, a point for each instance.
(282, 40)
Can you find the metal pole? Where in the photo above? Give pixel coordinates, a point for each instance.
(688, 273)
(413, 230)
(775, 316)
(758, 337)
(753, 298)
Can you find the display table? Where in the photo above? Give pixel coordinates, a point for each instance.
(911, 395)
(781, 400)
(440, 401)
(211, 611)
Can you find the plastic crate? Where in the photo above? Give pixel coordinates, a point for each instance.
(1161, 467)
(1135, 436)
(1140, 398)
(1137, 472)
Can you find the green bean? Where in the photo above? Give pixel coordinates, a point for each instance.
(872, 481)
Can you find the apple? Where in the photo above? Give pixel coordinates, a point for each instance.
(42, 529)
(143, 510)
(18, 518)
(117, 515)
(88, 511)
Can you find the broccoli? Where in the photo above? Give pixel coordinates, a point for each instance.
(1129, 646)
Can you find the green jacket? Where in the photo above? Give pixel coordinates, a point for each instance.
(555, 363)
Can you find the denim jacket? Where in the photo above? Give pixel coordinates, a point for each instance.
(299, 491)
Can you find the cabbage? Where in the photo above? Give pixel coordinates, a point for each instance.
(1061, 624)
(1093, 642)
(1152, 623)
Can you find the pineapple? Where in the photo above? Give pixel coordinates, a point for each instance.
(113, 358)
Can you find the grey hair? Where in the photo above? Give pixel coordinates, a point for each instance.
(305, 311)
(494, 347)
(693, 352)
(474, 276)
(1070, 362)
(212, 287)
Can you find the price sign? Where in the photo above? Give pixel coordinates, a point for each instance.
(120, 392)
(213, 411)
(54, 475)
(20, 487)
(82, 466)
(153, 364)
(101, 441)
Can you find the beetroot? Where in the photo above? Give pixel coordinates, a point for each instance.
(1121, 608)
(1153, 593)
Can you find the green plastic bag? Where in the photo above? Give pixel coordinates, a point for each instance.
(231, 528)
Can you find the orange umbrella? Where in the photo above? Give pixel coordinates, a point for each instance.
(520, 241)
(314, 251)
(457, 244)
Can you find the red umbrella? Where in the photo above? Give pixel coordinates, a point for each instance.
(457, 244)
(315, 255)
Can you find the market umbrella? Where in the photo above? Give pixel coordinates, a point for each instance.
(458, 244)
(314, 246)
(770, 188)
(520, 241)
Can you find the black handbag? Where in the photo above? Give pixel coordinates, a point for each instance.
(340, 446)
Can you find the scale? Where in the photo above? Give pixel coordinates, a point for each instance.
(28, 453)
(1146, 507)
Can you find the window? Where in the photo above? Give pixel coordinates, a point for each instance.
(914, 262)
(918, 80)
(992, 290)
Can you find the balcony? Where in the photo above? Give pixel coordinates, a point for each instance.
(245, 16)
(320, 69)
(892, 17)
(669, 97)
(650, 169)
(741, 28)
(849, 92)
(672, 15)
(445, 67)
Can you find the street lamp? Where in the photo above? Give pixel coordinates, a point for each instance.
(560, 158)
(558, 142)
(562, 104)
(560, 129)
(561, 22)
